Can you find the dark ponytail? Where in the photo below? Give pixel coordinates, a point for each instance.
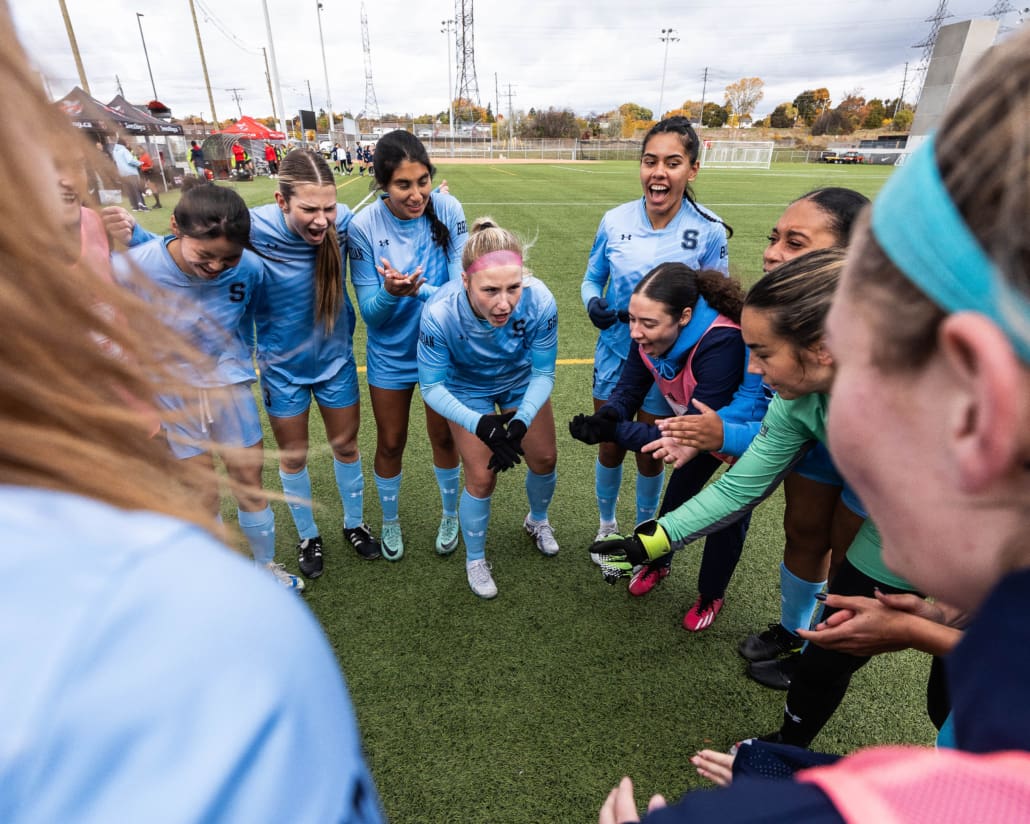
(677, 287)
(394, 148)
(681, 127)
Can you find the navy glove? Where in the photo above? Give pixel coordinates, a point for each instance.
(600, 315)
(490, 430)
(516, 431)
(593, 429)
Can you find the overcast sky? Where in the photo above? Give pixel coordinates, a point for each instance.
(588, 56)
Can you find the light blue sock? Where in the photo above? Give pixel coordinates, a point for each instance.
(649, 495)
(351, 483)
(447, 480)
(298, 485)
(606, 485)
(389, 495)
(474, 515)
(259, 529)
(540, 490)
(797, 599)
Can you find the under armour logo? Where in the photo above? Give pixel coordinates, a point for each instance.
(384, 242)
(627, 237)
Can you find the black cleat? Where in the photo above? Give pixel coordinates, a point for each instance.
(774, 642)
(309, 557)
(775, 674)
(363, 542)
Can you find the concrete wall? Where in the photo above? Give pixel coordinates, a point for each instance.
(958, 48)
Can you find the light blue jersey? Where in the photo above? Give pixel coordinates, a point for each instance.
(474, 362)
(393, 322)
(625, 249)
(208, 313)
(290, 343)
(136, 689)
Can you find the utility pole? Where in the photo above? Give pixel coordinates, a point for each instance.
(904, 82)
(511, 117)
(203, 63)
(325, 71)
(275, 68)
(268, 79)
(118, 83)
(139, 20)
(447, 30)
(236, 97)
(704, 90)
(75, 47)
(668, 36)
(311, 100)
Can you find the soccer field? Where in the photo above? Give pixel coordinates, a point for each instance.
(530, 707)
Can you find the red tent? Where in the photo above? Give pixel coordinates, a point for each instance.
(249, 129)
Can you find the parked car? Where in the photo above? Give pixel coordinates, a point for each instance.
(829, 156)
(851, 157)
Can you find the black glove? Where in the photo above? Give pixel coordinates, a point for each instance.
(490, 430)
(593, 429)
(647, 543)
(600, 315)
(624, 315)
(516, 431)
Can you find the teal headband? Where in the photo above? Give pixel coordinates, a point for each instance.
(919, 227)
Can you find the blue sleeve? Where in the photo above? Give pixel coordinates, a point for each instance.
(715, 254)
(750, 800)
(434, 362)
(742, 417)
(544, 357)
(375, 303)
(597, 268)
(140, 235)
(635, 381)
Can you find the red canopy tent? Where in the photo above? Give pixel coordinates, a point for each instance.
(248, 128)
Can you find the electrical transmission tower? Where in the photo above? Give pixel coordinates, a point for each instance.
(371, 111)
(928, 44)
(1000, 9)
(468, 86)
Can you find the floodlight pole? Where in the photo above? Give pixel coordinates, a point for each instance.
(325, 71)
(139, 20)
(448, 28)
(667, 36)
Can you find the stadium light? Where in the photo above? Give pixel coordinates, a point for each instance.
(668, 35)
(325, 71)
(139, 20)
(448, 28)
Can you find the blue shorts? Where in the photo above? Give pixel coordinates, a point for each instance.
(608, 368)
(386, 375)
(284, 398)
(818, 466)
(489, 404)
(222, 416)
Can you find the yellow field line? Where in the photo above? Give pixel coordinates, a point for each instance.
(503, 172)
(349, 182)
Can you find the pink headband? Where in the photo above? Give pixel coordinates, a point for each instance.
(492, 259)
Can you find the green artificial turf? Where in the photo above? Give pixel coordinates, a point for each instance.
(530, 707)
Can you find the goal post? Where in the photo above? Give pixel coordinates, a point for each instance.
(736, 154)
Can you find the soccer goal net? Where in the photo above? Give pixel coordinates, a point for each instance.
(732, 154)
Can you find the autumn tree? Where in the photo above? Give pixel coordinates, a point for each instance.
(853, 107)
(876, 114)
(634, 111)
(811, 103)
(744, 95)
(902, 121)
(553, 123)
(783, 116)
(833, 122)
(714, 115)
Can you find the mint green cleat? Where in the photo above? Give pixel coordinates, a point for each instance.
(447, 535)
(391, 541)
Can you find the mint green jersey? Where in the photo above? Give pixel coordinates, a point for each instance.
(788, 431)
